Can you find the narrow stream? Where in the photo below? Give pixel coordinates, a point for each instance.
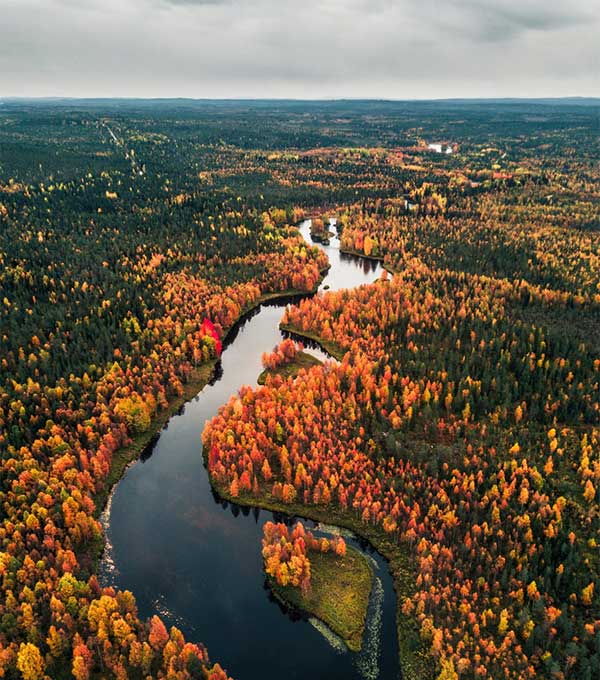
(196, 560)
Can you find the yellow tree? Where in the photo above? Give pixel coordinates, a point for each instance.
(447, 671)
(30, 662)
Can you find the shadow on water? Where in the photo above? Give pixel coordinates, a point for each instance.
(290, 611)
(195, 558)
(216, 376)
(368, 266)
(308, 343)
(149, 450)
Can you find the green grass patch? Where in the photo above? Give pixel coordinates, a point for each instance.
(292, 368)
(338, 596)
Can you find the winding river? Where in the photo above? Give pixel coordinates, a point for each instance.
(196, 560)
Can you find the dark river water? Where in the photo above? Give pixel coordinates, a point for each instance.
(196, 561)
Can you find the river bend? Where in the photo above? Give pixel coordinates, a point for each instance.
(196, 560)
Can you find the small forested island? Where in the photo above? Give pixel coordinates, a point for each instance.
(322, 577)
(286, 360)
(319, 231)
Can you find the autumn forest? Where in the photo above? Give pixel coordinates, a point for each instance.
(426, 280)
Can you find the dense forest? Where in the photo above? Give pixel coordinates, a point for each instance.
(459, 430)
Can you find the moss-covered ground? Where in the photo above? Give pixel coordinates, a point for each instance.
(338, 595)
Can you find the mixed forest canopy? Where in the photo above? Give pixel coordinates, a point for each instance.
(459, 432)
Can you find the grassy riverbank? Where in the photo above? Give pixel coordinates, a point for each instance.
(290, 369)
(126, 454)
(338, 596)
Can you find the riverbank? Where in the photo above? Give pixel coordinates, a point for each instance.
(291, 368)
(330, 347)
(415, 659)
(200, 377)
(340, 587)
(374, 258)
(126, 454)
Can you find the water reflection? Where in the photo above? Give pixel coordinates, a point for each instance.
(365, 264)
(149, 450)
(310, 345)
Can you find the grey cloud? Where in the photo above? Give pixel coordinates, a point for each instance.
(312, 48)
(511, 18)
(199, 3)
(497, 21)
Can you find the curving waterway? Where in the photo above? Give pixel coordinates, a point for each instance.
(196, 560)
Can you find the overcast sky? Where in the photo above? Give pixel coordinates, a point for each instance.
(397, 49)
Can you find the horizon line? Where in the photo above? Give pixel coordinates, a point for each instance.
(292, 99)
